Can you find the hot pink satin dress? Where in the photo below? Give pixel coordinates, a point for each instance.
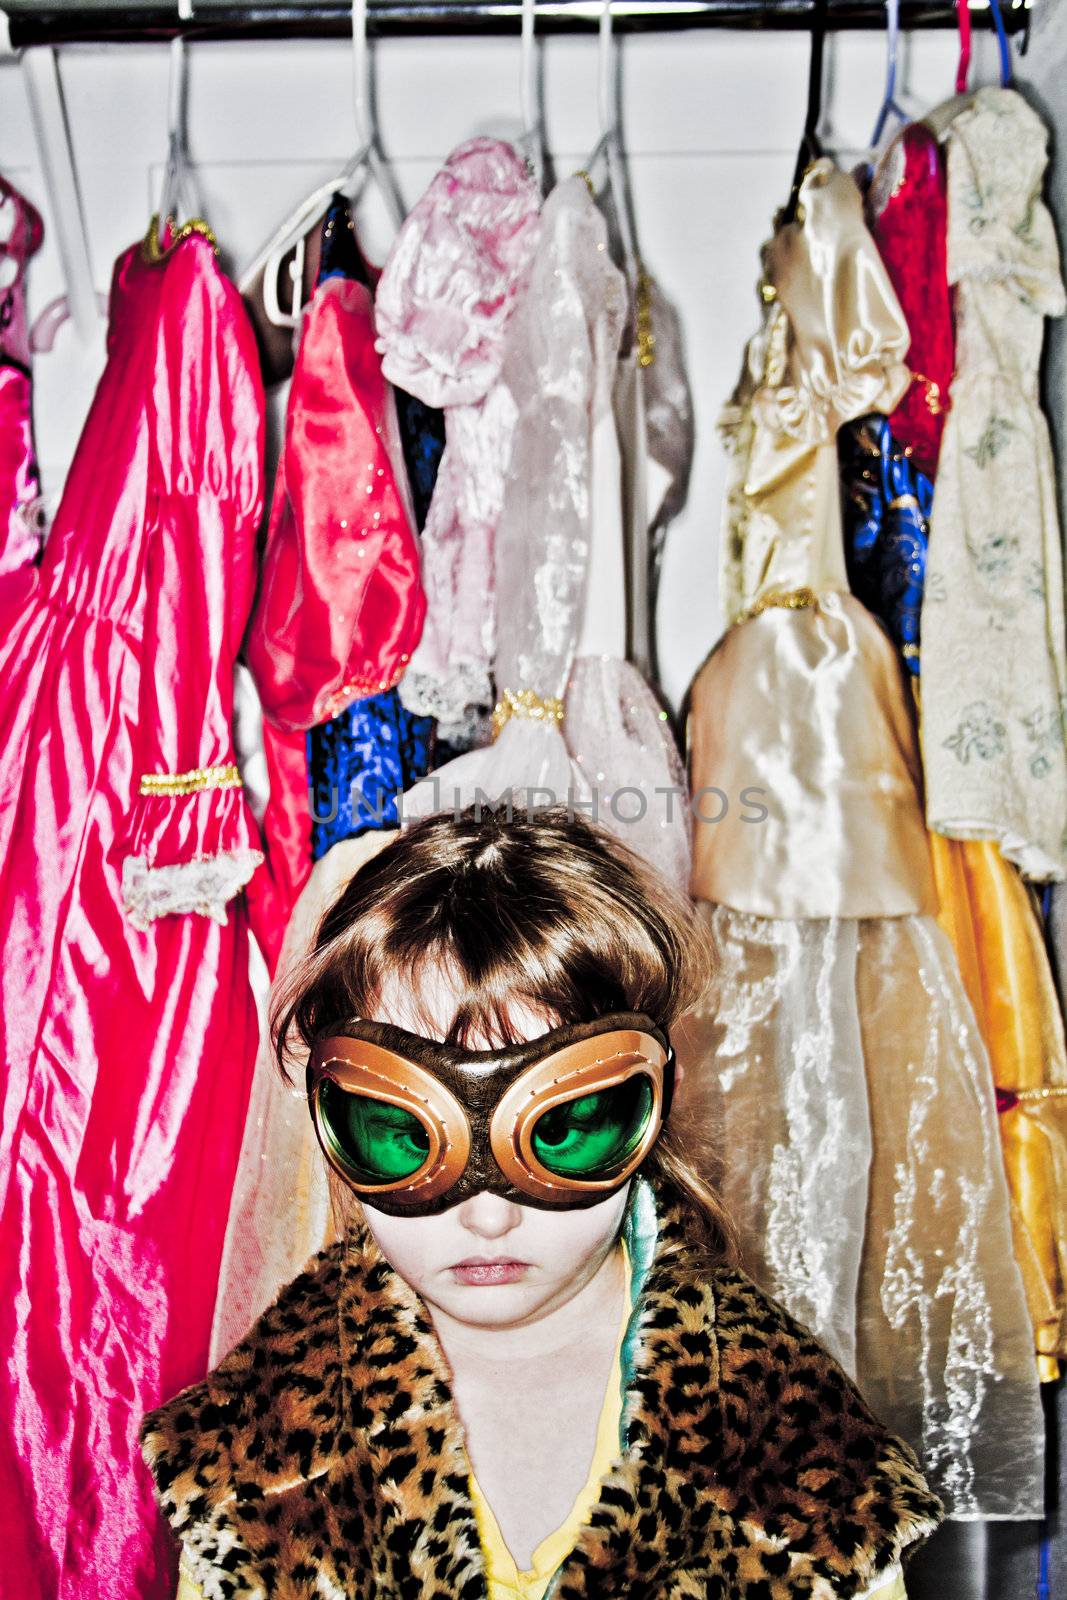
(340, 605)
(127, 1025)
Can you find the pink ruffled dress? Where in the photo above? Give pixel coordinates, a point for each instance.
(456, 272)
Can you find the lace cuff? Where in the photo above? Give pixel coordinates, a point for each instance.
(192, 845)
(459, 700)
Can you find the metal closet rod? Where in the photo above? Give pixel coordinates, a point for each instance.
(32, 23)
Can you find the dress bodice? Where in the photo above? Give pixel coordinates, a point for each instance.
(994, 741)
(560, 359)
(831, 348)
(453, 280)
(909, 220)
(1002, 252)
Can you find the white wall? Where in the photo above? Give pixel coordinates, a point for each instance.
(712, 121)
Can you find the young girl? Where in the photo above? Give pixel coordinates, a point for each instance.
(529, 1367)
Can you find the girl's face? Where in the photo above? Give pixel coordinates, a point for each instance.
(488, 1261)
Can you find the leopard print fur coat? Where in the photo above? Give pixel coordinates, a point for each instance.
(324, 1458)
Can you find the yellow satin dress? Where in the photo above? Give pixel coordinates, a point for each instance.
(990, 916)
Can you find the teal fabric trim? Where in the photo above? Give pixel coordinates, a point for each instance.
(640, 1233)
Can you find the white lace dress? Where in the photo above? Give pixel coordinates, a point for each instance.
(596, 738)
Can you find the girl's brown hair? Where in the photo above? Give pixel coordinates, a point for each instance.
(539, 909)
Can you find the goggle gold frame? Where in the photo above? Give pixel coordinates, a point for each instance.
(601, 1061)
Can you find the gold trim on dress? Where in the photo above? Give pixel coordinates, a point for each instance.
(360, 688)
(790, 599)
(905, 502)
(152, 248)
(525, 703)
(932, 393)
(646, 338)
(224, 776)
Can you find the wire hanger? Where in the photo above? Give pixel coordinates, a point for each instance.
(268, 261)
(81, 304)
(890, 105)
(609, 146)
(810, 147)
(531, 141)
(177, 180)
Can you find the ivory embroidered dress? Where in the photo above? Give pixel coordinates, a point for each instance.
(843, 1075)
(127, 1023)
(994, 656)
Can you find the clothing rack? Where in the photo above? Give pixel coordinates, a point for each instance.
(32, 23)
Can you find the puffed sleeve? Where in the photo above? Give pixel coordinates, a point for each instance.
(848, 337)
(191, 840)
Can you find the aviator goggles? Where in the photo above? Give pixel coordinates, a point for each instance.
(414, 1126)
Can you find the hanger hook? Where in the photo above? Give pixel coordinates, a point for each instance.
(177, 152)
(531, 119)
(607, 80)
(892, 44)
(360, 72)
(810, 148)
(1002, 44)
(963, 66)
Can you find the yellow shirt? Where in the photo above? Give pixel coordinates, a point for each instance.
(506, 1582)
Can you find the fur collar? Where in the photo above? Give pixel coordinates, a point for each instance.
(324, 1457)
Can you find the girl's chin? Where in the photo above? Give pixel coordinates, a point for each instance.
(487, 1305)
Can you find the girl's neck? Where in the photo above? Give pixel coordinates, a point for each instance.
(596, 1302)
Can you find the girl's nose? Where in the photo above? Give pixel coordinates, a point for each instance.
(490, 1216)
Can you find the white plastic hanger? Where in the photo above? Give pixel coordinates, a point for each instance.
(268, 261)
(81, 304)
(609, 145)
(531, 142)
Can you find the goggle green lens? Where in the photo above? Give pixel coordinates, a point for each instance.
(378, 1142)
(592, 1136)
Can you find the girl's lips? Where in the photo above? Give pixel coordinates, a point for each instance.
(482, 1273)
